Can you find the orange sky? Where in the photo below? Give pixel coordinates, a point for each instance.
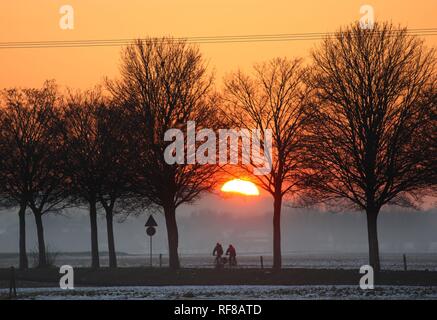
(35, 20)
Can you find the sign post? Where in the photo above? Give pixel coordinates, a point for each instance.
(150, 230)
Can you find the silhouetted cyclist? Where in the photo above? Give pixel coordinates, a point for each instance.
(232, 255)
(218, 252)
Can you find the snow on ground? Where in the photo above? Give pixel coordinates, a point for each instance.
(228, 293)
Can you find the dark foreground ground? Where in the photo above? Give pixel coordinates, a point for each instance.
(106, 277)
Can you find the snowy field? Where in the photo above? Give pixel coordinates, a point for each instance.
(389, 261)
(229, 293)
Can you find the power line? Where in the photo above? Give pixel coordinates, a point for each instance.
(213, 39)
(308, 36)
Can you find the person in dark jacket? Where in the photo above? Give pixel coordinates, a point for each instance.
(232, 253)
(218, 252)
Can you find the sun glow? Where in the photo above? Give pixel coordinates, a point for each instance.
(239, 186)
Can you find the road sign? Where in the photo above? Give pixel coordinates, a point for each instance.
(150, 230)
(151, 222)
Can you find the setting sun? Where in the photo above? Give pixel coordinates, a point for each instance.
(244, 187)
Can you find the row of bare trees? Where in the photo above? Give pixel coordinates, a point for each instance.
(61, 151)
(356, 128)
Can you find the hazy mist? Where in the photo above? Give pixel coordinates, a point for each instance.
(228, 221)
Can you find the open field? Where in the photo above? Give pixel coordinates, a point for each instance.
(318, 260)
(209, 277)
(228, 293)
(146, 283)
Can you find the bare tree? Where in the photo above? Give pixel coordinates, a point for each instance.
(84, 162)
(100, 159)
(164, 84)
(14, 190)
(368, 141)
(115, 170)
(30, 140)
(273, 98)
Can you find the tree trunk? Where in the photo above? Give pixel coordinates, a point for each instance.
(95, 263)
(372, 231)
(42, 257)
(277, 258)
(111, 242)
(172, 235)
(23, 254)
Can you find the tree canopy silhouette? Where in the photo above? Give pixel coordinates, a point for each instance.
(85, 155)
(164, 84)
(368, 142)
(31, 157)
(275, 99)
